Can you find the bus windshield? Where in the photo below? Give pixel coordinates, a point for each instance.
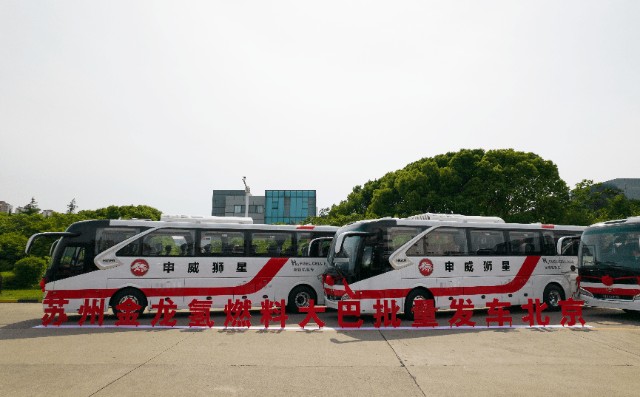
(362, 254)
(345, 259)
(611, 248)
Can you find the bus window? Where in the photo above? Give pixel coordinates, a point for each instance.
(108, 237)
(272, 244)
(548, 243)
(441, 242)
(304, 240)
(524, 242)
(221, 243)
(487, 242)
(168, 242)
(399, 236)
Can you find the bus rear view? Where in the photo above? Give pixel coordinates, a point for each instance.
(609, 265)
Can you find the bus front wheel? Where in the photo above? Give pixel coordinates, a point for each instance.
(414, 295)
(552, 296)
(133, 294)
(299, 297)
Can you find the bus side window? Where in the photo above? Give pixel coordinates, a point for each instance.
(487, 242)
(324, 248)
(524, 242)
(548, 245)
(110, 236)
(220, 243)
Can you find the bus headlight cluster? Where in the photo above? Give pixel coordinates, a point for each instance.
(584, 292)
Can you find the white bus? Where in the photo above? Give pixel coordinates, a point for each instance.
(609, 265)
(185, 259)
(446, 257)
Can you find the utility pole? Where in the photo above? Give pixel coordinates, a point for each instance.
(247, 193)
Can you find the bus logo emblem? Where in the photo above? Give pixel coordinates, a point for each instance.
(139, 267)
(425, 267)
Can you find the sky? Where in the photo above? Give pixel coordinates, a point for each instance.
(160, 102)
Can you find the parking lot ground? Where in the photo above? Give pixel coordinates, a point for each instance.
(602, 358)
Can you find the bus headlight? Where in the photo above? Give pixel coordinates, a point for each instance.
(584, 292)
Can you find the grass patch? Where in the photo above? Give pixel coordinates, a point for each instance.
(23, 294)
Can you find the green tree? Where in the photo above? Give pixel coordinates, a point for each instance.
(11, 249)
(517, 186)
(594, 202)
(71, 207)
(31, 208)
(124, 212)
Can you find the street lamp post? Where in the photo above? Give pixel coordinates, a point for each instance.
(247, 193)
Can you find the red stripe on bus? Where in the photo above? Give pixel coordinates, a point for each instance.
(514, 285)
(264, 276)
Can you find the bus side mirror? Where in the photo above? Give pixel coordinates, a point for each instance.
(568, 245)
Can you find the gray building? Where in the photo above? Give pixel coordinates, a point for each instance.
(5, 207)
(276, 206)
(232, 203)
(629, 186)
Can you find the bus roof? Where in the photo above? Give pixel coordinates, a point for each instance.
(631, 219)
(180, 223)
(455, 222)
(456, 218)
(206, 219)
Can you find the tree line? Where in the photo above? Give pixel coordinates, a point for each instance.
(516, 186)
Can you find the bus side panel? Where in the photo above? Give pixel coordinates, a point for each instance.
(90, 285)
(154, 289)
(224, 279)
(301, 271)
(164, 278)
(481, 279)
(388, 286)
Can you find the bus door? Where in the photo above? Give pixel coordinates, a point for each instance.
(567, 248)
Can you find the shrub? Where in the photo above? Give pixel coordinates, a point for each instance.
(6, 265)
(8, 280)
(28, 271)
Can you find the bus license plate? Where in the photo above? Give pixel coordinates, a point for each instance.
(611, 296)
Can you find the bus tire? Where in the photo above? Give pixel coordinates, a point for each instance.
(128, 293)
(414, 295)
(552, 296)
(300, 297)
